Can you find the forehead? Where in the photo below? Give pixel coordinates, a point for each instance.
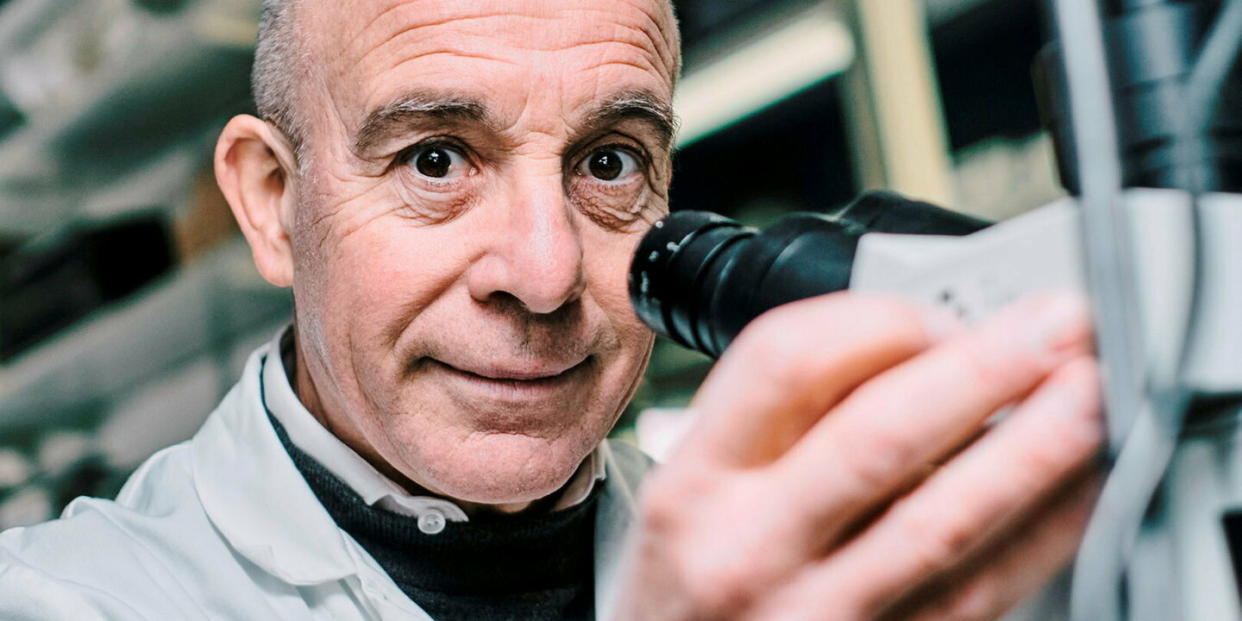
(508, 52)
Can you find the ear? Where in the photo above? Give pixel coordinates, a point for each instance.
(254, 166)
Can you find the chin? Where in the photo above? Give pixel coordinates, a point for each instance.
(500, 468)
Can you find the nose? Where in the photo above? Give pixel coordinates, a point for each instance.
(536, 255)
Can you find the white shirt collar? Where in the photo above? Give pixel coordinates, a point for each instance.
(374, 487)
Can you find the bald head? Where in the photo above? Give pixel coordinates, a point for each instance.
(284, 63)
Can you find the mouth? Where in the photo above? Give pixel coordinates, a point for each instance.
(514, 382)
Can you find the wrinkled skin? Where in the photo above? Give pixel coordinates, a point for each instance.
(458, 265)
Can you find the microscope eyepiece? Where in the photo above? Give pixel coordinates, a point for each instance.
(699, 277)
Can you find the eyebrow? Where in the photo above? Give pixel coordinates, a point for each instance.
(421, 108)
(640, 105)
(413, 109)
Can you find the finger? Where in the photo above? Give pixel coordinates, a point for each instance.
(1005, 477)
(997, 578)
(793, 363)
(920, 412)
(1010, 571)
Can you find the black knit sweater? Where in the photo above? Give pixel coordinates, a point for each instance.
(528, 566)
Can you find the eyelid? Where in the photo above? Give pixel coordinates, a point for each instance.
(403, 164)
(642, 159)
(447, 142)
(639, 167)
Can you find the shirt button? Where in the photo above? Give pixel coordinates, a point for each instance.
(431, 522)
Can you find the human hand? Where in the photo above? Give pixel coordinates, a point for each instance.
(843, 467)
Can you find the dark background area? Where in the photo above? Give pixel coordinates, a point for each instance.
(795, 153)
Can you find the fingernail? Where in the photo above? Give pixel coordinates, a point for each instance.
(1060, 322)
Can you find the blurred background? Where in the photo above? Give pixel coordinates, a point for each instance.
(128, 301)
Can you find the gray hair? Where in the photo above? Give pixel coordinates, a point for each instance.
(279, 65)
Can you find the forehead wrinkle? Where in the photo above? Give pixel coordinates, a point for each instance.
(397, 6)
(620, 63)
(360, 70)
(653, 67)
(659, 42)
(656, 46)
(448, 52)
(406, 31)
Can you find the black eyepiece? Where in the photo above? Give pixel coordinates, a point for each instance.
(699, 277)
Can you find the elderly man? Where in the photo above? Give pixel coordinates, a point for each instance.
(453, 189)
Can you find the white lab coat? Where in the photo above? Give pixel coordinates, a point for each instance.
(224, 527)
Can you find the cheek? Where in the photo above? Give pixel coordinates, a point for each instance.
(373, 282)
(392, 273)
(608, 268)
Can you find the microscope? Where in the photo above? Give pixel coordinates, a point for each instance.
(1144, 100)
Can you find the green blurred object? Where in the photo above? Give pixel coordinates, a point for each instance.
(10, 116)
(161, 6)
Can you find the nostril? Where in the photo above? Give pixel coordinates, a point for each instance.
(506, 303)
(509, 306)
(537, 259)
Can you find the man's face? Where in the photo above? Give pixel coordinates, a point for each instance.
(479, 175)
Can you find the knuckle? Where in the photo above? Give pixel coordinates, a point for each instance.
(1039, 464)
(938, 538)
(987, 363)
(888, 452)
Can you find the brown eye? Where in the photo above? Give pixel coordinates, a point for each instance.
(609, 164)
(437, 161)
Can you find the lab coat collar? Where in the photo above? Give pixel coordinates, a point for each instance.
(618, 505)
(255, 495)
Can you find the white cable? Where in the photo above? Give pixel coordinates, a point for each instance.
(1109, 264)
(1145, 455)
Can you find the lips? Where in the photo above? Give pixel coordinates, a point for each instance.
(531, 398)
(525, 372)
(513, 383)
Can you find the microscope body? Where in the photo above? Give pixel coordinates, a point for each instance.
(1184, 564)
